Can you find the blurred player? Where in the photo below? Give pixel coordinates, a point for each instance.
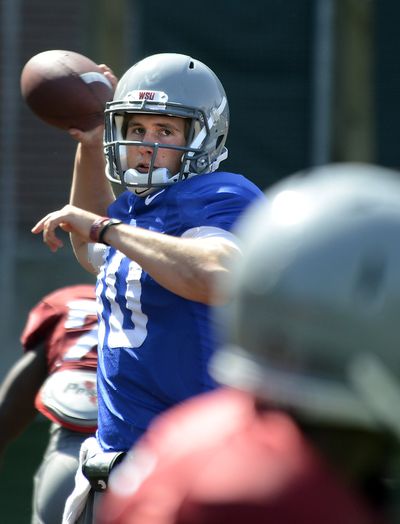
(307, 429)
(57, 376)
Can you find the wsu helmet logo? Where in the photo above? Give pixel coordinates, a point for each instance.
(144, 95)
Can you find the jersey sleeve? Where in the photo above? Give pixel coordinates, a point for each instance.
(211, 232)
(39, 325)
(96, 255)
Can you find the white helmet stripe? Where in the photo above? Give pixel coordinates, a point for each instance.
(214, 117)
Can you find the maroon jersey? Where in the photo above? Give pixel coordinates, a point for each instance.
(65, 322)
(216, 459)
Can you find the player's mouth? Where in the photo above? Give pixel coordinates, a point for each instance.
(143, 168)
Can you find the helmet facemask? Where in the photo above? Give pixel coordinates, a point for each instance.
(197, 157)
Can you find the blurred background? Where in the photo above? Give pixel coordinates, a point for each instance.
(308, 82)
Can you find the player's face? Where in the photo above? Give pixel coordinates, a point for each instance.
(155, 128)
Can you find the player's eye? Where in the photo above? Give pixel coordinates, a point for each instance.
(165, 132)
(135, 131)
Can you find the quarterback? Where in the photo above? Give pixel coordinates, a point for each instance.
(158, 247)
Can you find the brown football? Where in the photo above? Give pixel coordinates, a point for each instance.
(65, 89)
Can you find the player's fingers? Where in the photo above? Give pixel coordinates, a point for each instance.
(76, 134)
(66, 227)
(106, 69)
(109, 74)
(47, 226)
(38, 227)
(112, 78)
(49, 233)
(92, 137)
(54, 244)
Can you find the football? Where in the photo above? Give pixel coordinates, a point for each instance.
(65, 89)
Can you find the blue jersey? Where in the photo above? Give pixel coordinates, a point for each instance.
(154, 346)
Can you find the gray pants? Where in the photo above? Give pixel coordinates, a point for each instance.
(54, 480)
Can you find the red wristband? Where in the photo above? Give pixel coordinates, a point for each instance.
(96, 227)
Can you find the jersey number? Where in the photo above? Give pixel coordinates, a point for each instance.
(123, 322)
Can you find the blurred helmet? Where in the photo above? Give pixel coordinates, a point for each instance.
(173, 85)
(314, 321)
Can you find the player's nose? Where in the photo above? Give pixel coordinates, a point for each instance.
(147, 137)
(145, 149)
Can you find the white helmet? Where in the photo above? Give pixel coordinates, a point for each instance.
(174, 85)
(314, 320)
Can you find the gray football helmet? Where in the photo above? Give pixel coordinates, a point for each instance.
(313, 324)
(175, 85)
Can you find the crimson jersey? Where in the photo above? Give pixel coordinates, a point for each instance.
(216, 459)
(66, 322)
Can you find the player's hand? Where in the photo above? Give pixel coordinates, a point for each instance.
(109, 74)
(91, 138)
(70, 219)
